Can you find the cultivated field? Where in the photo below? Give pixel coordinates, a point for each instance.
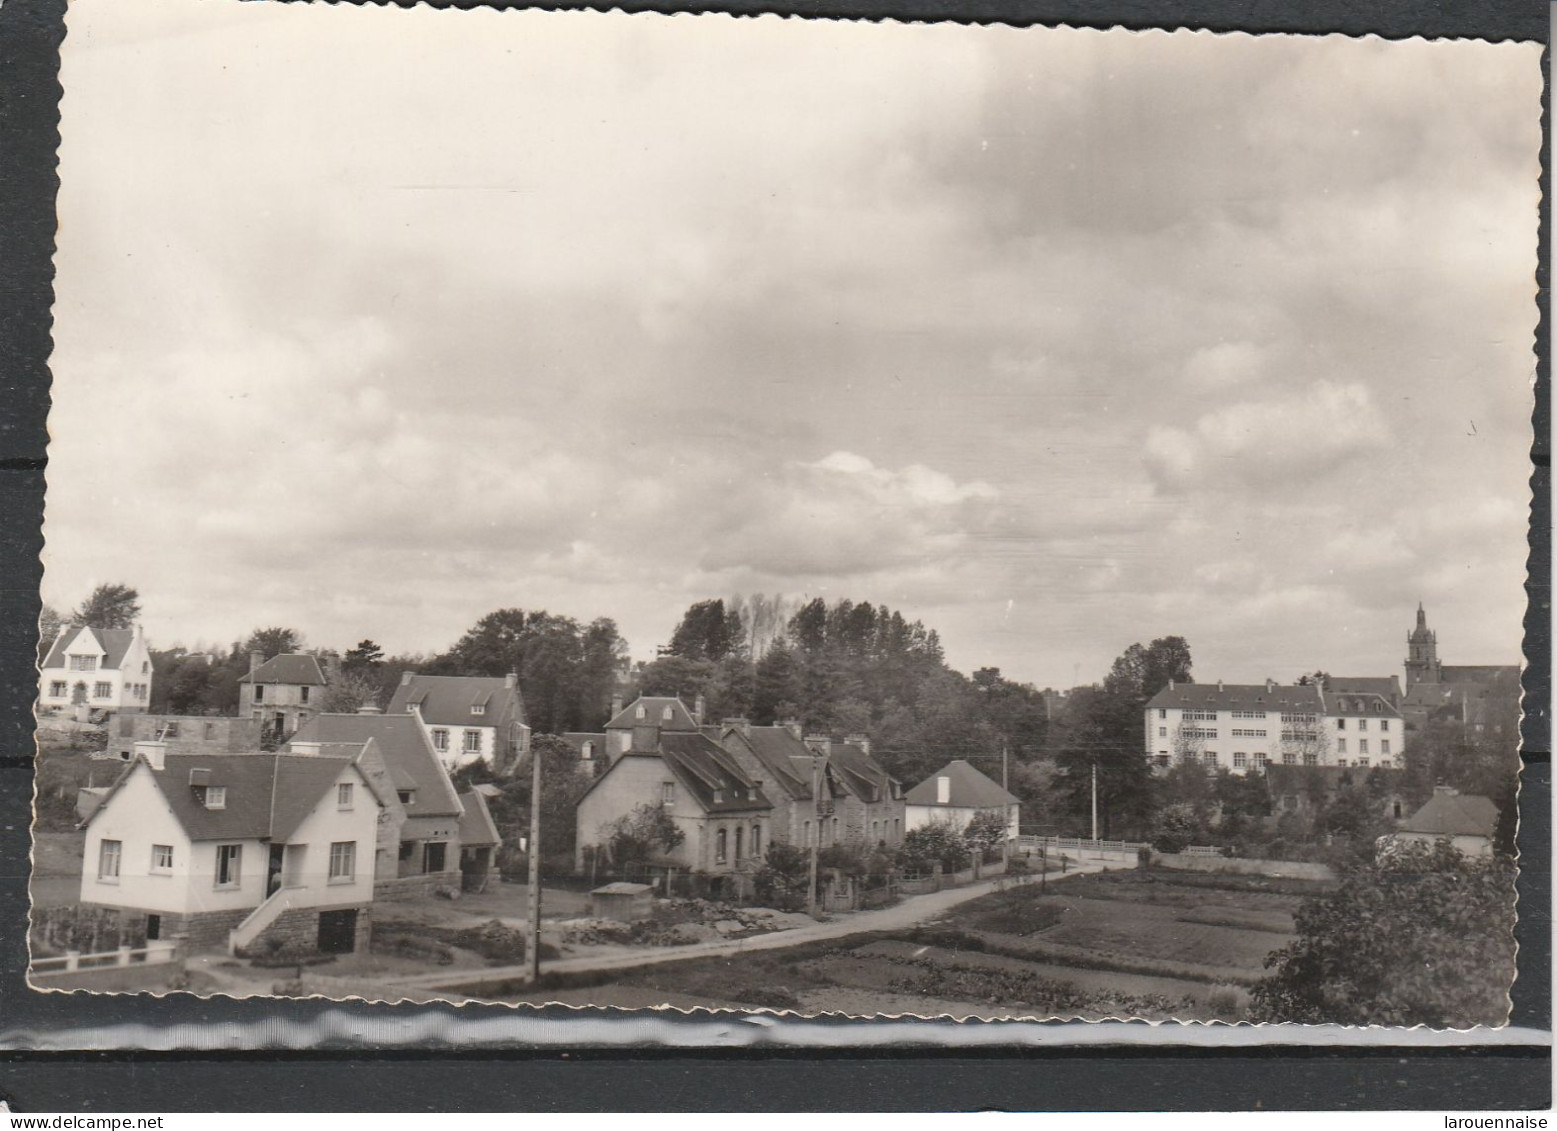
(1154, 944)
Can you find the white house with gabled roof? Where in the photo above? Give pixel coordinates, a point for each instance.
(96, 669)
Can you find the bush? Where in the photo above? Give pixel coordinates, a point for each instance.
(783, 879)
(936, 843)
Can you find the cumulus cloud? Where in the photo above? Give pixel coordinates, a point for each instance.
(1098, 336)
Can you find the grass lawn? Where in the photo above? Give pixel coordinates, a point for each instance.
(56, 868)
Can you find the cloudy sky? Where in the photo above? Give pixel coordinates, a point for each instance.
(370, 321)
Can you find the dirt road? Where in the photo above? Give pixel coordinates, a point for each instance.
(911, 912)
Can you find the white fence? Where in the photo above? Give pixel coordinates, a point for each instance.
(1031, 844)
(1201, 850)
(156, 952)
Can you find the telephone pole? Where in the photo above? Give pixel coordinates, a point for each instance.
(533, 955)
(1094, 800)
(1005, 766)
(816, 812)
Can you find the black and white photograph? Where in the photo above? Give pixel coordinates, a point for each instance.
(813, 516)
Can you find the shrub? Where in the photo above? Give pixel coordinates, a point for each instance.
(782, 880)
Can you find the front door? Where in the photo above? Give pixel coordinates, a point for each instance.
(337, 932)
(78, 695)
(433, 857)
(273, 869)
(153, 928)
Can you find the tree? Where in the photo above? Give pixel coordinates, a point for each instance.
(784, 877)
(1421, 937)
(351, 692)
(273, 642)
(365, 658)
(49, 623)
(640, 836)
(708, 631)
(110, 606)
(938, 842)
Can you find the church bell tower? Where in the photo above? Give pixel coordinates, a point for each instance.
(1421, 652)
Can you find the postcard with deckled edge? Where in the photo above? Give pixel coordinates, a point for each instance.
(811, 516)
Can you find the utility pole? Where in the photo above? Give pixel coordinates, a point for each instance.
(533, 956)
(816, 812)
(1005, 766)
(1094, 799)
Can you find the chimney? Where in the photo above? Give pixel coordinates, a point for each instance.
(819, 743)
(1219, 685)
(943, 790)
(616, 704)
(153, 752)
(331, 662)
(699, 706)
(860, 740)
(792, 725)
(1170, 685)
(737, 723)
(370, 709)
(1270, 685)
(511, 680)
(405, 678)
(1445, 791)
(255, 660)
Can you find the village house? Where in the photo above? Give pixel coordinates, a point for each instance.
(467, 718)
(589, 748)
(418, 849)
(237, 850)
(1247, 727)
(957, 793)
(723, 815)
(1467, 821)
(784, 768)
(96, 669)
(184, 734)
(284, 691)
(869, 805)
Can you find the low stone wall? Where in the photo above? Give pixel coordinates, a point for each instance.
(414, 887)
(1239, 865)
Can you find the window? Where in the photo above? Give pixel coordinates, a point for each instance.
(1340, 746)
(588, 752)
(343, 861)
(145, 667)
(162, 858)
(83, 663)
(170, 730)
(57, 688)
(440, 740)
(1362, 746)
(1209, 716)
(1237, 733)
(740, 843)
(756, 840)
(102, 690)
(216, 797)
(472, 742)
(478, 709)
(1384, 746)
(1162, 732)
(1248, 714)
(259, 692)
(667, 714)
(1162, 712)
(1240, 760)
(304, 694)
(1362, 724)
(1260, 760)
(405, 796)
(806, 834)
(1310, 759)
(229, 857)
(1385, 763)
(108, 854)
(1363, 762)
(1383, 724)
(1211, 758)
(720, 846)
(1340, 724)
(642, 712)
(667, 793)
(1288, 758)
(343, 795)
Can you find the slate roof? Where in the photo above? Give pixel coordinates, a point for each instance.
(1358, 704)
(289, 667)
(447, 700)
(115, 643)
(781, 754)
(860, 774)
(403, 743)
(1493, 675)
(1385, 685)
(268, 795)
(970, 789)
(654, 710)
(705, 768)
(477, 829)
(1294, 698)
(1454, 814)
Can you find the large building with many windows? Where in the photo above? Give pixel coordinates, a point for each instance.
(1244, 727)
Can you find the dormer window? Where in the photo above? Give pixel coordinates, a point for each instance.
(588, 751)
(479, 709)
(406, 796)
(667, 714)
(642, 712)
(215, 797)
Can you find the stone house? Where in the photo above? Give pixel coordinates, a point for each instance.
(184, 734)
(96, 669)
(869, 804)
(284, 691)
(955, 794)
(467, 718)
(1467, 821)
(724, 817)
(237, 851)
(418, 848)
